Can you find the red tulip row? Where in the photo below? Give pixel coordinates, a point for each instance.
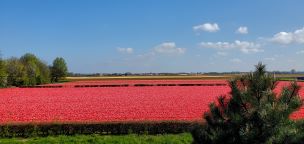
(139, 82)
(24, 105)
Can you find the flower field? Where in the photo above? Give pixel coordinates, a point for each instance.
(108, 104)
(136, 82)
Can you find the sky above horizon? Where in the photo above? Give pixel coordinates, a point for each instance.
(106, 36)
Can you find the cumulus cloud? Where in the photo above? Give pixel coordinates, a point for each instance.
(208, 27)
(169, 48)
(289, 37)
(283, 38)
(125, 50)
(242, 30)
(243, 46)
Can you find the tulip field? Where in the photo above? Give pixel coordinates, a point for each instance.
(162, 100)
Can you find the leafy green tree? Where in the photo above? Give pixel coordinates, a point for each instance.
(3, 75)
(252, 113)
(37, 71)
(45, 73)
(16, 72)
(59, 69)
(30, 64)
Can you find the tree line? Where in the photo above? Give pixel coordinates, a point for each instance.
(29, 70)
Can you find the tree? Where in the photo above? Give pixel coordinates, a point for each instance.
(16, 72)
(252, 113)
(37, 71)
(30, 64)
(293, 71)
(59, 69)
(45, 73)
(3, 75)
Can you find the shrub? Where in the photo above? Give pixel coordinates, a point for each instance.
(252, 113)
(114, 128)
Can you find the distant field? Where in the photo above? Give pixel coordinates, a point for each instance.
(177, 77)
(199, 77)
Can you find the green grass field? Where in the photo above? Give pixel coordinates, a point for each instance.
(184, 138)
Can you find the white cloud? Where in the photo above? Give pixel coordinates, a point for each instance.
(242, 30)
(125, 50)
(169, 48)
(283, 38)
(243, 46)
(236, 60)
(208, 27)
(299, 35)
(289, 37)
(300, 52)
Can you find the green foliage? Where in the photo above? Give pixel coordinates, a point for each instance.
(45, 73)
(184, 138)
(3, 74)
(16, 72)
(29, 61)
(252, 113)
(27, 71)
(113, 128)
(59, 69)
(37, 71)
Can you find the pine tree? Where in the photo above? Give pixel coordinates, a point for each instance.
(252, 112)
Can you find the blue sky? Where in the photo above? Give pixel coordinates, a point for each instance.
(156, 35)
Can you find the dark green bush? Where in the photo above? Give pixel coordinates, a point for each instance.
(115, 128)
(252, 113)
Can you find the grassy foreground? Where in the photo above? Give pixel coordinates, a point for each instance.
(184, 138)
